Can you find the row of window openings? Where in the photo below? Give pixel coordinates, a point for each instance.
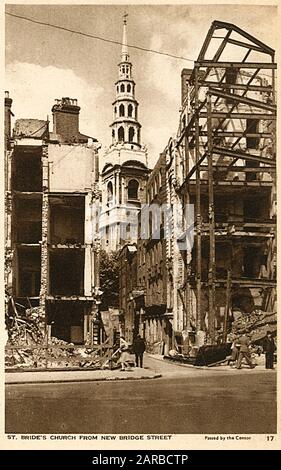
(122, 88)
(121, 134)
(122, 110)
(124, 69)
(252, 127)
(155, 188)
(133, 190)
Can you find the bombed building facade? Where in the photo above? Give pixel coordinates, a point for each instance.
(220, 185)
(202, 265)
(52, 245)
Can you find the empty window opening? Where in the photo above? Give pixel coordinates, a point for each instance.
(130, 110)
(131, 134)
(67, 321)
(252, 261)
(27, 171)
(67, 272)
(109, 191)
(27, 220)
(121, 134)
(133, 188)
(29, 274)
(67, 217)
(252, 127)
(121, 110)
(231, 74)
(122, 88)
(252, 210)
(129, 88)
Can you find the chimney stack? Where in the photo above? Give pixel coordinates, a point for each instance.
(66, 119)
(7, 124)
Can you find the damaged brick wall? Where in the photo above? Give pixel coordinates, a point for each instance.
(45, 226)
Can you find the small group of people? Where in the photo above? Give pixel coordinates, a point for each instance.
(138, 349)
(240, 349)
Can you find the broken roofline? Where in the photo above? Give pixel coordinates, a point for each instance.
(256, 45)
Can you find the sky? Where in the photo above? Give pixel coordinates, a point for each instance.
(43, 63)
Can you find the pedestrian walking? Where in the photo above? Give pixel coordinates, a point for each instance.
(244, 352)
(269, 349)
(139, 348)
(125, 356)
(234, 352)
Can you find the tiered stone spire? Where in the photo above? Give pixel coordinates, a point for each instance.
(125, 126)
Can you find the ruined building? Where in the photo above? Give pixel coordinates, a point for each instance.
(223, 163)
(52, 246)
(218, 263)
(124, 168)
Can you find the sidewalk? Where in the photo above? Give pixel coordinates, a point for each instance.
(78, 376)
(169, 367)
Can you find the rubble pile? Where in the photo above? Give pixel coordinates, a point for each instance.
(25, 336)
(255, 324)
(29, 347)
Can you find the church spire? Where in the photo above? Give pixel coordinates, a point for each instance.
(125, 127)
(125, 52)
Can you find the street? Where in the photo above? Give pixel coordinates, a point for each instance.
(183, 401)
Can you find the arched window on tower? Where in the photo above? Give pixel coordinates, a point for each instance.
(133, 189)
(129, 88)
(130, 110)
(117, 88)
(113, 133)
(121, 134)
(121, 110)
(138, 136)
(109, 192)
(115, 109)
(150, 228)
(131, 134)
(122, 88)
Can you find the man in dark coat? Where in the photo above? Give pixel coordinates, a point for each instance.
(269, 348)
(244, 352)
(139, 348)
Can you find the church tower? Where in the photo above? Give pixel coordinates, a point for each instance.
(124, 165)
(125, 127)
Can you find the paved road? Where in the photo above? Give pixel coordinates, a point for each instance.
(180, 402)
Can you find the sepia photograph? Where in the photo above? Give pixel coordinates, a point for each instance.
(140, 250)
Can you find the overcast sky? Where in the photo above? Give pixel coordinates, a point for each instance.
(43, 63)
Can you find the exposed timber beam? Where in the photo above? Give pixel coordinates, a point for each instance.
(235, 154)
(231, 115)
(236, 86)
(242, 99)
(238, 65)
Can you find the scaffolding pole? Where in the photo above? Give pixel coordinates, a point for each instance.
(212, 252)
(198, 208)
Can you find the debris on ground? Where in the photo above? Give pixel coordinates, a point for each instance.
(255, 324)
(28, 345)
